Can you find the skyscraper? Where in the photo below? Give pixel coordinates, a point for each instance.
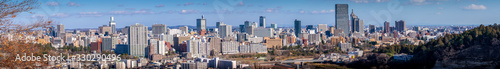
(371, 28)
(137, 39)
(309, 27)
(357, 24)
(217, 24)
(297, 28)
(225, 30)
(400, 25)
(201, 24)
(249, 27)
(386, 27)
(322, 28)
(52, 31)
(262, 21)
(60, 29)
(342, 17)
(242, 29)
(159, 29)
(274, 26)
(112, 24)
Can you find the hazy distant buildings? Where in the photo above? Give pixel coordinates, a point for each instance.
(342, 17)
(400, 25)
(297, 28)
(137, 40)
(262, 21)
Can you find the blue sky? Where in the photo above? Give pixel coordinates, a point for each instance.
(94, 13)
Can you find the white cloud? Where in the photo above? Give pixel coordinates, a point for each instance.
(59, 15)
(475, 7)
(52, 3)
(72, 4)
(37, 16)
(188, 11)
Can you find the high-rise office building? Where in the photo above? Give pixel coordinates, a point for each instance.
(217, 24)
(250, 29)
(386, 27)
(322, 28)
(60, 29)
(274, 26)
(107, 43)
(225, 30)
(357, 24)
(310, 27)
(159, 29)
(400, 25)
(112, 24)
(137, 40)
(242, 29)
(201, 24)
(297, 28)
(262, 21)
(371, 28)
(52, 31)
(342, 17)
(106, 30)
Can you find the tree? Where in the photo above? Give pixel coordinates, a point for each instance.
(13, 36)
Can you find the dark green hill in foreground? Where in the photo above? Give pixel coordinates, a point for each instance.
(475, 48)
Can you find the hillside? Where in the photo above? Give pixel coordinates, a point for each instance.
(475, 48)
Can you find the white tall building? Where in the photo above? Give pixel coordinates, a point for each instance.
(193, 47)
(112, 24)
(161, 47)
(137, 40)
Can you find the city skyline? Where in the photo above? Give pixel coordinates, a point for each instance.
(83, 14)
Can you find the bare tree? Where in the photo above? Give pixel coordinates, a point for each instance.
(15, 38)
